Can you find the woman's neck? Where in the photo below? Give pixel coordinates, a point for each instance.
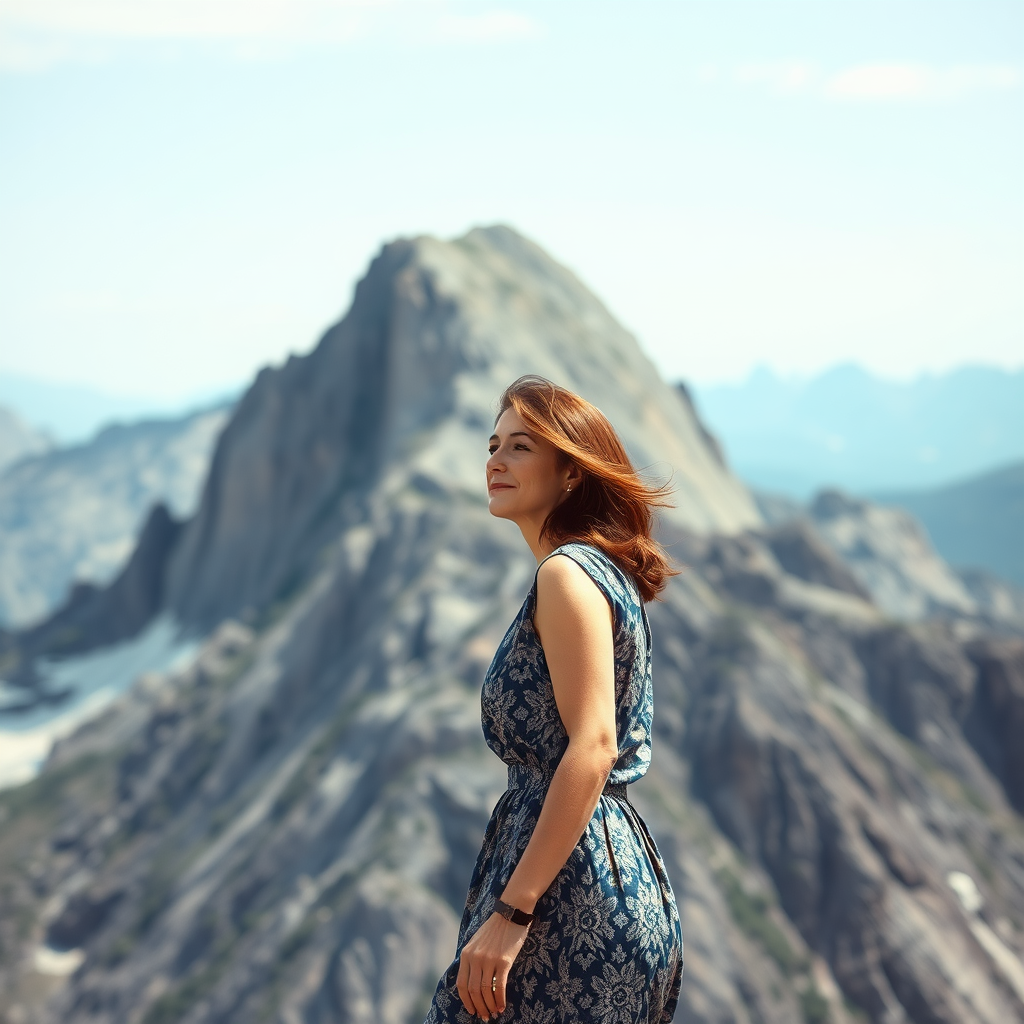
(540, 546)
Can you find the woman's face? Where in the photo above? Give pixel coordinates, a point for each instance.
(525, 479)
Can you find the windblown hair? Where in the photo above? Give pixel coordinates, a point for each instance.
(612, 508)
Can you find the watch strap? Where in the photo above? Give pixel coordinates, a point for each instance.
(510, 913)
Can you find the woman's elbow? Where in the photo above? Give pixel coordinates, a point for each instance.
(611, 755)
(600, 753)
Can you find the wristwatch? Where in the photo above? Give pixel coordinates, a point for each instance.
(510, 913)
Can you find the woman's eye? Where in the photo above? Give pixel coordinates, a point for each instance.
(491, 448)
(523, 447)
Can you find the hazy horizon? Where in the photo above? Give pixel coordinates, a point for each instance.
(749, 416)
(187, 196)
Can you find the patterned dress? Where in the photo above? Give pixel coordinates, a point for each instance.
(606, 946)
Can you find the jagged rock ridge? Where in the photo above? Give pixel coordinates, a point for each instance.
(92, 617)
(285, 830)
(74, 514)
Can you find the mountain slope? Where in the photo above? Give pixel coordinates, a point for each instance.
(974, 523)
(75, 513)
(892, 557)
(285, 830)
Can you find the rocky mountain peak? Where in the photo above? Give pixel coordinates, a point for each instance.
(402, 392)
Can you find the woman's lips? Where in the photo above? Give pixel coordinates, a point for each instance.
(500, 487)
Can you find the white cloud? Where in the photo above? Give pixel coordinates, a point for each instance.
(785, 79)
(919, 81)
(35, 34)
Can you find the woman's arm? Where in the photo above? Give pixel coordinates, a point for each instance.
(574, 622)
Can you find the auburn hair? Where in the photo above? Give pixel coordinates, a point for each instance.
(611, 508)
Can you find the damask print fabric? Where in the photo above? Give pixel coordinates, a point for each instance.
(606, 946)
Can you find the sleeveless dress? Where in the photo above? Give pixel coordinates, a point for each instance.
(606, 946)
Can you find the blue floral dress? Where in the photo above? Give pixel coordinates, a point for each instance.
(606, 945)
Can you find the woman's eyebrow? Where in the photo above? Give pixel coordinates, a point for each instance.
(515, 433)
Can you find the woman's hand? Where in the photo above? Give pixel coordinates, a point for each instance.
(486, 959)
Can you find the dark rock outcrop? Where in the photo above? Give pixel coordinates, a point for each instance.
(94, 617)
(75, 513)
(802, 553)
(709, 439)
(994, 717)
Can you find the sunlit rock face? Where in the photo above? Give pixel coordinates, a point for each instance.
(285, 829)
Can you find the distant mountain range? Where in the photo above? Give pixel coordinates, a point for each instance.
(849, 429)
(284, 828)
(74, 413)
(976, 522)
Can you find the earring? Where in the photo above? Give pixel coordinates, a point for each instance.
(568, 488)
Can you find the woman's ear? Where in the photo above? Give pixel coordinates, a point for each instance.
(575, 477)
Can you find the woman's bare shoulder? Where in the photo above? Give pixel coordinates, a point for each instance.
(563, 579)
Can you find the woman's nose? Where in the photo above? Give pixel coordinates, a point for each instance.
(494, 462)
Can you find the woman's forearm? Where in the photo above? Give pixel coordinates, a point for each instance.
(572, 795)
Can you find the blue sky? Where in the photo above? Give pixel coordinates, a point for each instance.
(190, 188)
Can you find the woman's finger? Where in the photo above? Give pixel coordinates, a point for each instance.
(500, 985)
(487, 987)
(462, 983)
(475, 985)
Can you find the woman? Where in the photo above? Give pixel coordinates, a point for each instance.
(570, 915)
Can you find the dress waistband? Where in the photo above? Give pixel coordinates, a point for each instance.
(521, 777)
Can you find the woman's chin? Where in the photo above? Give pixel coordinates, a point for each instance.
(498, 508)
